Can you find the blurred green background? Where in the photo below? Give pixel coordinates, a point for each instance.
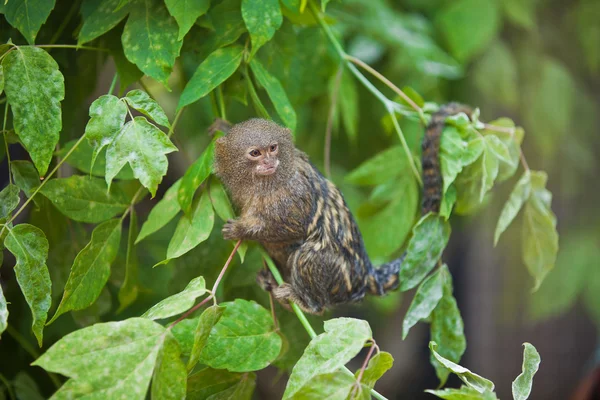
(535, 61)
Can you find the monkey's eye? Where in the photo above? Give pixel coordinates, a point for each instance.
(273, 147)
(254, 153)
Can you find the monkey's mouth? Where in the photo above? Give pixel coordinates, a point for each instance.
(268, 169)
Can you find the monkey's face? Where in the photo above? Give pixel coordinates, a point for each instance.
(264, 159)
(255, 149)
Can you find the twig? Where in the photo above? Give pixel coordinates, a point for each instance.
(332, 109)
(364, 367)
(389, 84)
(70, 46)
(213, 291)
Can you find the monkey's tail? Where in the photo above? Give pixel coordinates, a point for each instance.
(387, 275)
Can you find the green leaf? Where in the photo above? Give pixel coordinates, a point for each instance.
(328, 352)
(220, 200)
(170, 377)
(490, 168)
(1, 79)
(426, 299)
(262, 18)
(217, 382)
(226, 20)
(91, 268)
(430, 236)
(28, 16)
(128, 291)
(101, 17)
(518, 197)
(381, 168)
(25, 387)
(213, 71)
(30, 247)
(192, 229)
(456, 153)
(511, 138)
(521, 386)
(85, 199)
(332, 386)
(150, 39)
(107, 117)
(80, 158)
(276, 93)
(447, 328)
(448, 202)
(107, 360)
(379, 364)
(386, 230)
(144, 147)
(186, 12)
(464, 393)
(243, 340)
(461, 18)
(588, 33)
(9, 200)
(471, 379)
(25, 176)
(36, 112)
(3, 312)
(163, 212)
(540, 239)
(145, 104)
(206, 322)
(178, 303)
(195, 175)
(496, 75)
(469, 185)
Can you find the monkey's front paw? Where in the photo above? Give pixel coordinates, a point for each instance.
(230, 230)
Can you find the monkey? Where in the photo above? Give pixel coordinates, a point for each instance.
(302, 219)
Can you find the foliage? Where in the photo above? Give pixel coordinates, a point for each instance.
(234, 59)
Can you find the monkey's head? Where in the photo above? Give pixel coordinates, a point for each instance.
(256, 151)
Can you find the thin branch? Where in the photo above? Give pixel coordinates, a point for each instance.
(212, 292)
(332, 109)
(389, 84)
(175, 120)
(70, 46)
(388, 104)
(47, 178)
(356, 387)
(113, 84)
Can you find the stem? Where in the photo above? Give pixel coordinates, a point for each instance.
(388, 104)
(44, 181)
(175, 120)
(31, 350)
(332, 108)
(389, 84)
(300, 314)
(364, 366)
(411, 161)
(213, 291)
(221, 100)
(113, 84)
(235, 249)
(70, 46)
(6, 143)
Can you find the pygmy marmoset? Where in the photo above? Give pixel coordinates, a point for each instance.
(301, 218)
